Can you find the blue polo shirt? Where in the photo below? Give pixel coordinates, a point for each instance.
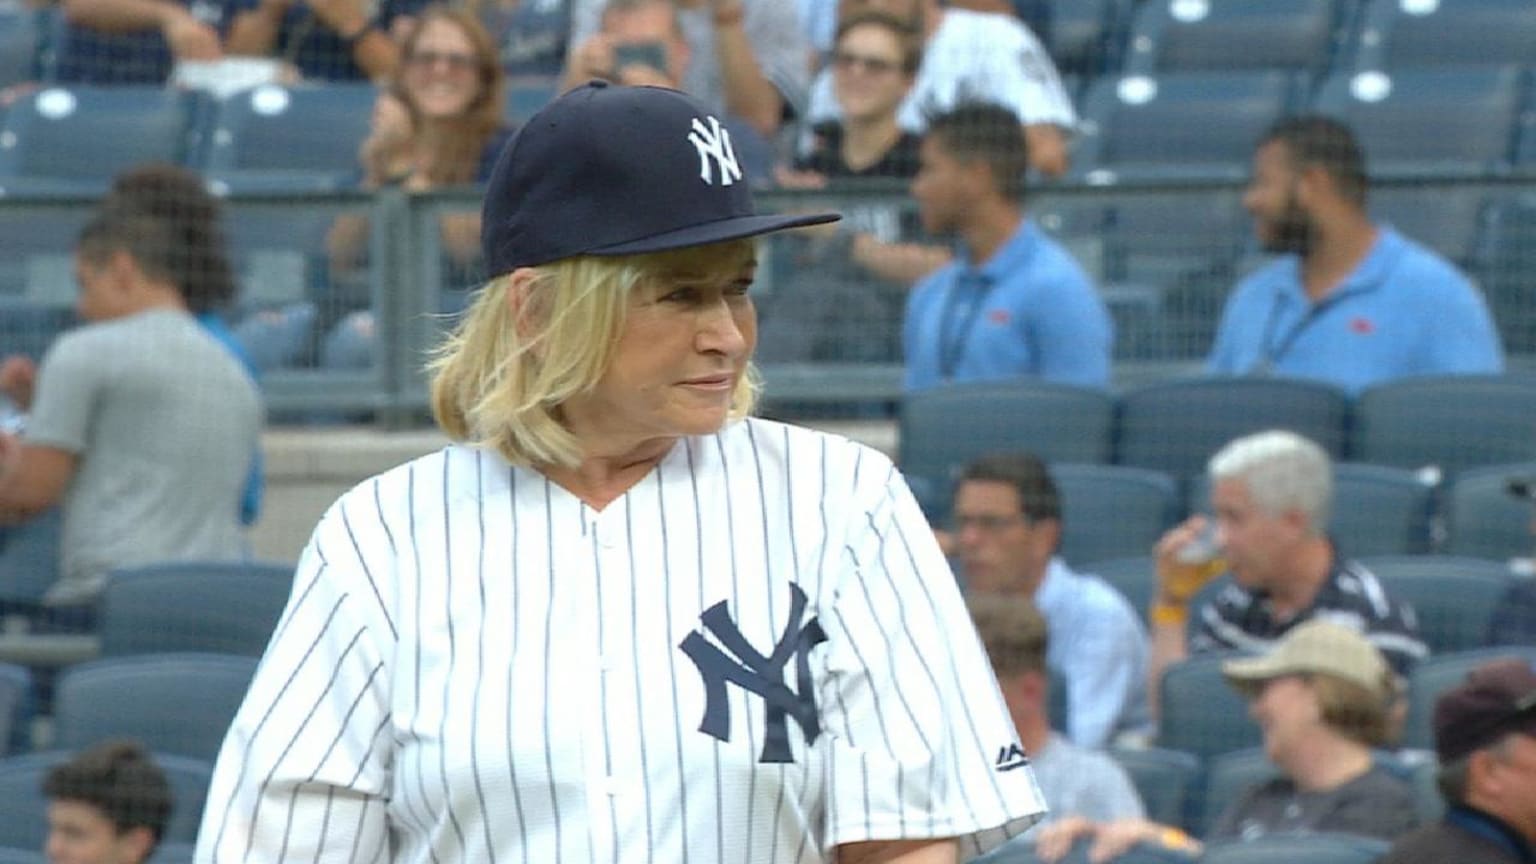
(1403, 311)
(1029, 310)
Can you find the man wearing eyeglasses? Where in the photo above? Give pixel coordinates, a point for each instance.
(1006, 529)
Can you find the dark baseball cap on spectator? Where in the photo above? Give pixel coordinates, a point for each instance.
(1496, 699)
(613, 170)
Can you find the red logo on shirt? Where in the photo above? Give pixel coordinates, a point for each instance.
(1363, 326)
(1000, 317)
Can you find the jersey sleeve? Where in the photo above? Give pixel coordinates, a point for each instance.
(920, 743)
(304, 773)
(69, 386)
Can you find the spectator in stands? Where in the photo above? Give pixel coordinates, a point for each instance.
(143, 425)
(1015, 302)
(1349, 302)
(1076, 782)
(1321, 697)
(744, 58)
(107, 805)
(1485, 738)
(974, 56)
(438, 124)
(328, 40)
(178, 196)
(137, 41)
(1271, 493)
(1007, 525)
(811, 318)
(1514, 621)
(530, 35)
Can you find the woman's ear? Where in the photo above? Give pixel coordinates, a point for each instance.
(523, 306)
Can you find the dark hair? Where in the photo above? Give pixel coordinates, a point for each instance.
(198, 262)
(907, 38)
(121, 780)
(118, 228)
(1313, 139)
(988, 132)
(1038, 498)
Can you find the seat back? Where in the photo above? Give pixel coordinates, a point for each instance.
(1450, 220)
(215, 607)
(1232, 35)
(15, 706)
(1446, 32)
(1453, 422)
(1201, 714)
(80, 137)
(24, 810)
(1453, 598)
(1482, 519)
(20, 37)
(943, 428)
(1111, 511)
(174, 703)
(1322, 848)
(312, 128)
(1507, 283)
(1165, 780)
(1437, 674)
(1134, 576)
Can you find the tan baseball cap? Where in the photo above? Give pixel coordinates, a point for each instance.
(1316, 646)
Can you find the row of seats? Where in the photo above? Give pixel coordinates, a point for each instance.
(1155, 36)
(1450, 422)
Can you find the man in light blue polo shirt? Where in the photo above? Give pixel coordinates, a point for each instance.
(1350, 302)
(1014, 302)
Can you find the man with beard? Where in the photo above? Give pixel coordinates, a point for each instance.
(1350, 302)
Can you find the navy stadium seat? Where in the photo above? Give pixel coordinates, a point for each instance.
(174, 703)
(1510, 276)
(1177, 126)
(1451, 220)
(1232, 34)
(304, 137)
(1176, 426)
(1201, 713)
(1483, 520)
(217, 607)
(21, 856)
(23, 809)
(15, 702)
(526, 94)
(29, 563)
(76, 139)
(1165, 780)
(1319, 848)
(1227, 777)
(1440, 122)
(1110, 511)
(1084, 33)
(943, 428)
(1454, 598)
(1133, 576)
(1438, 674)
(1453, 422)
(20, 38)
(1398, 34)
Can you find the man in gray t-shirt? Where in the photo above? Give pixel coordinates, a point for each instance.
(142, 424)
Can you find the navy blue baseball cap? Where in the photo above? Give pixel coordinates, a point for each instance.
(612, 170)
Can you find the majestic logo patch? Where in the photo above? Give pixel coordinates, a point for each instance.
(1011, 757)
(713, 142)
(758, 674)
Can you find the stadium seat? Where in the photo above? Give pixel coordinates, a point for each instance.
(1110, 511)
(174, 703)
(76, 139)
(23, 809)
(1176, 426)
(1138, 127)
(29, 562)
(526, 94)
(302, 137)
(1451, 220)
(1133, 576)
(1231, 35)
(1400, 34)
(1165, 780)
(21, 856)
(1454, 598)
(1442, 122)
(15, 704)
(1320, 848)
(1453, 422)
(1227, 777)
(1201, 714)
(942, 428)
(1083, 34)
(215, 607)
(1508, 280)
(1483, 520)
(173, 853)
(19, 40)
(1023, 853)
(1434, 676)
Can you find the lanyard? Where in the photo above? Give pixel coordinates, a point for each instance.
(955, 335)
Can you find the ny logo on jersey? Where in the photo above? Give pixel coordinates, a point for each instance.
(762, 675)
(714, 143)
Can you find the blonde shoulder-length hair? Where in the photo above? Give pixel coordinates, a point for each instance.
(500, 378)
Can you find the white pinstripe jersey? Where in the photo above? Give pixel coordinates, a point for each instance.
(477, 666)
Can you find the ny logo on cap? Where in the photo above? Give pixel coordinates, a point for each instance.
(714, 142)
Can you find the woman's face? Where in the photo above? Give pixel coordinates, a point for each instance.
(866, 73)
(441, 71)
(686, 343)
(1287, 711)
